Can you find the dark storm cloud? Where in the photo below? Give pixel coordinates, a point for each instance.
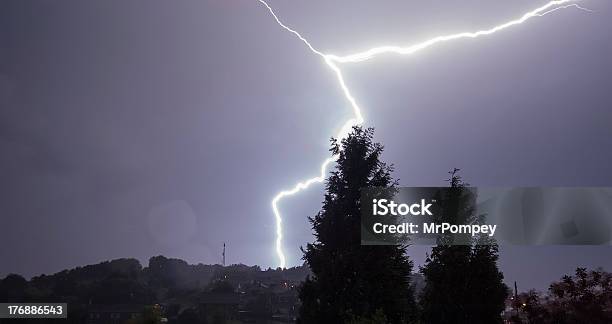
(116, 115)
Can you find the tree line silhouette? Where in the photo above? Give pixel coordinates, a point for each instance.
(351, 283)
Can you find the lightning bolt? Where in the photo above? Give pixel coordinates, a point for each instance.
(333, 61)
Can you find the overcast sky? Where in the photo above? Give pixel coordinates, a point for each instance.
(138, 128)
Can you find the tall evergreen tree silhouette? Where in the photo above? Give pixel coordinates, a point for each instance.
(462, 282)
(350, 282)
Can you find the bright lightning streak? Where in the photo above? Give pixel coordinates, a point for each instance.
(344, 131)
(371, 53)
(332, 60)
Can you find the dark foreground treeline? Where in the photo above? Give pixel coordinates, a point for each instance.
(585, 297)
(354, 283)
(342, 282)
(122, 291)
(123, 285)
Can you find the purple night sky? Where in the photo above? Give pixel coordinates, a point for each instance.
(139, 128)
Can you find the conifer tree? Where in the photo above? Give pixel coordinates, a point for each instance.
(462, 282)
(350, 282)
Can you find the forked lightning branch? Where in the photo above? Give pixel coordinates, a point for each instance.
(334, 61)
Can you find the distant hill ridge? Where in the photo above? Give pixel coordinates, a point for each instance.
(126, 281)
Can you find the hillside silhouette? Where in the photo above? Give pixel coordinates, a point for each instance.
(124, 288)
